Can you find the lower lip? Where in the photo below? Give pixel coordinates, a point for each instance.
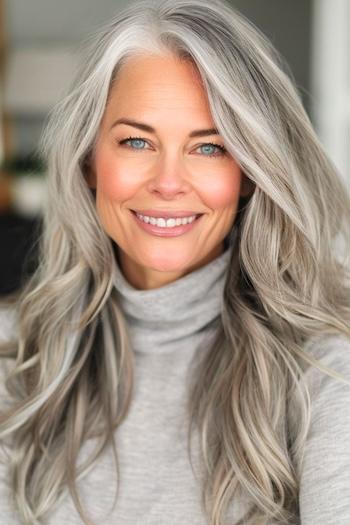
(166, 232)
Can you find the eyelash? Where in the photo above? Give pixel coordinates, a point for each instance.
(221, 148)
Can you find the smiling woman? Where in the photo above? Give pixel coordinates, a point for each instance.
(185, 339)
(166, 172)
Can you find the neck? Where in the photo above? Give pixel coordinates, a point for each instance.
(165, 318)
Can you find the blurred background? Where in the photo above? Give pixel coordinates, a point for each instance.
(40, 45)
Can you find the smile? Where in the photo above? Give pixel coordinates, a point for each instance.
(169, 222)
(172, 227)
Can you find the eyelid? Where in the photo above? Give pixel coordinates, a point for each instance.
(133, 138)
(221, 147)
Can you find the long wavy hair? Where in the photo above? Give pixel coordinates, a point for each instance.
(288, 281)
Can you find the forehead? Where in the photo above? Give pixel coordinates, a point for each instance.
(166, 81)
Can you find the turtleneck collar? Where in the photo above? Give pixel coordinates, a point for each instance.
(161, 320)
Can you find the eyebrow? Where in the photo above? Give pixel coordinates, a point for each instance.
(149, 129)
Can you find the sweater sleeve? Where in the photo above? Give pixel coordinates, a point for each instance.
(7, 332)
(8, 321)
(324, 496)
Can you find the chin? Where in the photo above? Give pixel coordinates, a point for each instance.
(166, 264)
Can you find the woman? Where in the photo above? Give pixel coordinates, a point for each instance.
(182, 373)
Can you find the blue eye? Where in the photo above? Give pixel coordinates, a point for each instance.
(136, 141)
(210, 149)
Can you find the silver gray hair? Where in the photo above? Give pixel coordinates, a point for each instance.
(285, 284)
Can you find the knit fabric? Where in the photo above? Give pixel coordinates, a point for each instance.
(168, 327)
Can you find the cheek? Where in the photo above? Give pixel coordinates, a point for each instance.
(222, 191)
(114, 177)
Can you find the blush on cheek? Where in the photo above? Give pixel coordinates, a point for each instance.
(111, 182)
(105, 170)
(223, 192)
(114, 180)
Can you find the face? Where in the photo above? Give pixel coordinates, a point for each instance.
(168, 157)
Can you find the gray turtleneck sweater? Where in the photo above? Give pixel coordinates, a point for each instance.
(157, 485)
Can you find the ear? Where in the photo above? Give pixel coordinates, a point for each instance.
(247, 186)
(90, 178)
(90, 174)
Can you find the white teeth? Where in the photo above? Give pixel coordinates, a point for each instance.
(166, 223)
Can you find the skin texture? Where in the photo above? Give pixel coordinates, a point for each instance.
(166, 169)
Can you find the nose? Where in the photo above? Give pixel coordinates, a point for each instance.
(169, 175)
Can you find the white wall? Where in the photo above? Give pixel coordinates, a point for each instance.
(330, 79)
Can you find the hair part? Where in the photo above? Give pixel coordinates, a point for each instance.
(72, 376)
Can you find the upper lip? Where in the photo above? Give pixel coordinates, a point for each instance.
(167, 214)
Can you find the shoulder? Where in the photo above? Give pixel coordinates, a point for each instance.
(323, 345)
(329, 395)
(8, 331)
(331, 351)
(8, 321)
(325, 466)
